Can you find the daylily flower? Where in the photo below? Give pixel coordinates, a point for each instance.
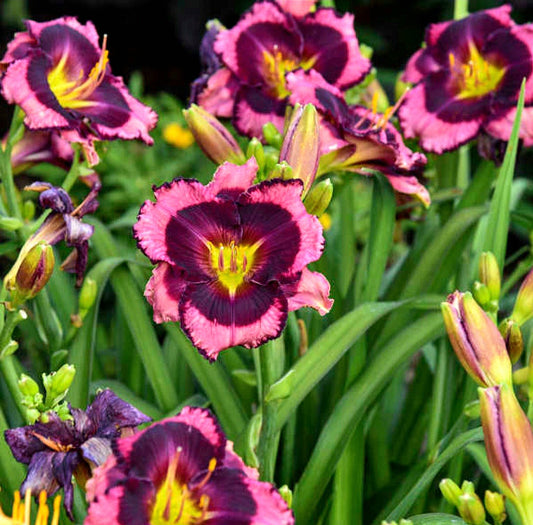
(231, 257)
(59, 75)
(265, 45)
(509, 444)
(181, 470)
(36, 147)
(57, 450)
(467, 81)
(297, 7)
(64, 223)
(476, 340)
(357, 139)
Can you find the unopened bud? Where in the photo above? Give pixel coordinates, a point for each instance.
(512, 335)
(33, 273)
(281, 171)
(318, 199)
(87, 296)
(471, 509)
(481, 294)
(472, 410)
(57, 384)
(495, 505)
(489, 274)
(467, 487)
(10, 224)
(255, 149)
(523, 308)
(450, 491)
(27, 386)
(211, 135)
(272, 135)
(300, 146)
(286, 493)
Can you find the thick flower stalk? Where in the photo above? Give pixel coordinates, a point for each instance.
(253, 58)
(181, 470)
(231, 257)
(509, 444)
(60, 76)
(467, 80)
(476, 340)
(56, 450)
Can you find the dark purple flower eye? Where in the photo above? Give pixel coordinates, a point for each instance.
(467, 80)
(59, 75)
(181, 469)
(231, 257)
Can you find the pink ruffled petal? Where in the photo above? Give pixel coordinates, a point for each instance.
(330, 40)
(297, 7)
(218, 97)
(88, 30)
(164, 290)
(502, 126)
(271, 507)
(215, 321)
(419, 65)
(204, 421)
(436, 135)
(232, 460)
(231, 179)
(410, 186)
(312, 289)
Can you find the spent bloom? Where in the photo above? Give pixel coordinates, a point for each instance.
(476, 340)
(63, 224)
(56, 450)
(231, 257)
(181, 470)
(509, 444)
(59, 75)
(246, 66)
(467, 80)
(358, 139)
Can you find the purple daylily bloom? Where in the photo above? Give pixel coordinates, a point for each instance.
(231, 257)
(57, 450)
(60, 77)
(266, 44)
(467, 80)
(357, 139)
(181, 470)
(63, 224)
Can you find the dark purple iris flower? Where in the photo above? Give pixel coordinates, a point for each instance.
(467, 80)
(231, 257)
(181, 470)
(357, 139)
(256, 55)
(60, 77)
(57, 450)
(63, 224)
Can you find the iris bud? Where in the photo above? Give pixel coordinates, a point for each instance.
(318, 199)
(33, 273)
(212, 137)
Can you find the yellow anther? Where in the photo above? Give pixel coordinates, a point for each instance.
(451, 58)
(375, 98)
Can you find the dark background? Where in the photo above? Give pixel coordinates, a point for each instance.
(160, 38)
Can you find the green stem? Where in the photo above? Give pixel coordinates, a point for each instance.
(439, 396)
(74, 171)
(9, 372)
(11, 321)
(460, 9)
(12, 470)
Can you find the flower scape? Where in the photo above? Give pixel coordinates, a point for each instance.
(299, 294)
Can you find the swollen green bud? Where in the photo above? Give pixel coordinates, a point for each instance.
(87, 296)
(10, 224)
(467, 487)
(281, 171)
(272, 135)
(255, 149)
(27, 386)
(481, 294)
(450, 491)
(512, 335)
(33, 273)
(57, 384)
(495, 505)
(286, 493)
(211, 135)
(523, 308)
(471, 509)
(318, 199)
(489, 274)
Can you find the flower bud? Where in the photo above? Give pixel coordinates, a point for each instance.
(211, 135)
(471, 509)
(467, 487)
(87, 296)
(255, 149)
(512, 335)
(286, 493)
(450, 491)
(300, 146)
(509, 443)
(281, 171)
(523, 308)
(476, 340)
(33, 273)
(272, 135)
(318, 199)
(489, 274)
(27, 386)
(495, 505)
(481, 293)
(57, 384)
(10, 224)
